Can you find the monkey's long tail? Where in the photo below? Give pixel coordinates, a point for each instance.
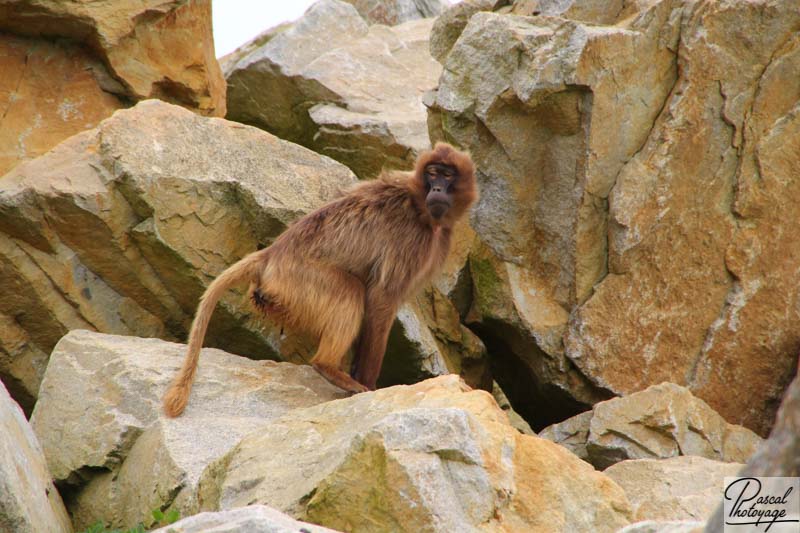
(246, 270)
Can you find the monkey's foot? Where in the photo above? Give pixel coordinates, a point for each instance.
(339, 378)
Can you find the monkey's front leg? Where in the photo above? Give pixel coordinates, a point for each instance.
(378, 318)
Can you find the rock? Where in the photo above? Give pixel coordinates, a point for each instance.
(572, 433)
(99, 420)
(29, 502)
(252, 519)
(779, 456)
(340, 87)
(451, 23)
(672, 526)
(662, 421)
(637, 172)
(678, 488)
(431, 456)
(53, 93)
(393, 12)
(77, 62)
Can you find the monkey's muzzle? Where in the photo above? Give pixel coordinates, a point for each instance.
(438, 204)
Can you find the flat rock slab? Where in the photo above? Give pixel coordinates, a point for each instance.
(250, 519)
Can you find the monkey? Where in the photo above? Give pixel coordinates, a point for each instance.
(341, 272)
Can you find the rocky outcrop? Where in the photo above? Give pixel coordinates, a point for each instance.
(393, 12)
(662, 421)
(252, 519)
(333, 83)
(71, 64)
(121, 228)
(100, 424)
(679, 488)
(428, 457)
(672, 526)
(29, 502)
(636, 171)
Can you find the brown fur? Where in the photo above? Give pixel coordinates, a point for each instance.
(345, 269)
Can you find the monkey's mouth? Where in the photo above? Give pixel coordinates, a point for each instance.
(438, 208)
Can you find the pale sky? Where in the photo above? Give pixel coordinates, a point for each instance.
(237, 21)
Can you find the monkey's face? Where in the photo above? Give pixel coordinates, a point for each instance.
(439, 180)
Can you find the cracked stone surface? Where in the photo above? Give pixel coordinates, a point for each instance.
(333, 83)
(100, 424)
(393, 12)
(433, 456)
(636, 167)
(659, 422)
(73, 63)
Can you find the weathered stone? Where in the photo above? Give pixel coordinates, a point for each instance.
(640, 174)
(250, 519)
(429, 457)
(29, 502)
(49, 93)
(393, 12)
(572, 433)
(678, 488)
(71, 64)
(672, 526)
(662, 421)
(345, 89)
(451, 23)
(98, 419)
(779, 456)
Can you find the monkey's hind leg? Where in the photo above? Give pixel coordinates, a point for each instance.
(327, 362)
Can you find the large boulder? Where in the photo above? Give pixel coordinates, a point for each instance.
(105, 439)
(121, 228)
(662, 421)
(71, 64)
(333, 83)
(29, 502)
(433, 456)
(679, 488)
(636, 167)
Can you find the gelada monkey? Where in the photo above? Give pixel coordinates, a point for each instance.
(341, 272)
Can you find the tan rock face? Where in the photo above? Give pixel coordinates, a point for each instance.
(679, 488)
(48, 94)
(662, 421)
(253, 519)
(429, 457)
(334, 84)
(641, 175)
(71, 64)
(100, 424)
(29, 502)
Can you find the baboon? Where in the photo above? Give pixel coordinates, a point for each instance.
(341, 272)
